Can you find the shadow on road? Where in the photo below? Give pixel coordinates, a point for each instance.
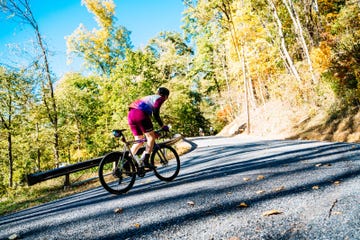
(274, 159)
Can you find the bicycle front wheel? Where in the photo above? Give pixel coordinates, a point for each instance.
(167, 162)
(117, 176)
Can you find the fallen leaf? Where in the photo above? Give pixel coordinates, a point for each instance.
(234, 238)
(118, 210)
(279, 189)
(337, 182)
(272, 212)
(246, 179)
(260, 177)
(325, 164)
(242, 205)
(260, 191)
(137, 225)
(191, 203)
(229, 193)
(13, 237)
(315, 187)
(336, 213)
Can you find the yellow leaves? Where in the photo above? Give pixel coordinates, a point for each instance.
(315, 187)
(242, 205)
(272, 212)
(260, 177)
(278, 189)
(104, 11)
(337, 182)
(321, 57)
(246, 179)
(137, 225)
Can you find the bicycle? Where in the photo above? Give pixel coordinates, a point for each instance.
(118, 170)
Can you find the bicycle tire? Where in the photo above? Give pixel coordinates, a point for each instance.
(116, 181)
(167, 162)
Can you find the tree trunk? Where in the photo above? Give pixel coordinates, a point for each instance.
(246, 86)
(38, 157)
(283, 44)
(10, 159)
(299, 32)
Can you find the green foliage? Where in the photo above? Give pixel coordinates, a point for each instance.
(100, 48)
(344, 69)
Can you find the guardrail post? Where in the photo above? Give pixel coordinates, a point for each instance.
(67, 180)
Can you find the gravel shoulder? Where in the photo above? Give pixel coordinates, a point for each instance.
(228, 188)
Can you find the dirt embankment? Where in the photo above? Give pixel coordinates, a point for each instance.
(276, 120)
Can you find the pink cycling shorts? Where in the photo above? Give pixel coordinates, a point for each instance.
(139, 122)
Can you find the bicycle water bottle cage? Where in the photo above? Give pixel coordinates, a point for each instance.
(117, 133)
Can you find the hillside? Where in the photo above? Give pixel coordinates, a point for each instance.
(276, 120)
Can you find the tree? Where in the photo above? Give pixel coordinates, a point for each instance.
(14, 94)
(79, 108)
(204, 26)
(299, 32)
(20, 10)
(344, 70)
(102, 48)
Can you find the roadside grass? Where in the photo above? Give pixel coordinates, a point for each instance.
(30, 196)
(24, 197)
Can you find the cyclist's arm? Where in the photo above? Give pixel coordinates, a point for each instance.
(156, 115)
(156, 110)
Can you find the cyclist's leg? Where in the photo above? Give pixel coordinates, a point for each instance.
(148, 130)
(134, 120)
(140, 123)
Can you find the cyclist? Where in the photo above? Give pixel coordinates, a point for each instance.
(139, 119)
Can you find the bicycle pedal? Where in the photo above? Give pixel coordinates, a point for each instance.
(141, 172)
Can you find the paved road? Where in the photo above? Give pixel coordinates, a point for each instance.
(228, 188)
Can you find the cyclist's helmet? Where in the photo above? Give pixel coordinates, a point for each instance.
(162, 91)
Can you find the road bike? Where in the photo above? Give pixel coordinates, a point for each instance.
(118, 170)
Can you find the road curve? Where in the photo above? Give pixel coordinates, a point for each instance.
(228, 188)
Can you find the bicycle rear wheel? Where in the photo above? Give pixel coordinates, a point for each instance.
(117, 176)
(167, 162)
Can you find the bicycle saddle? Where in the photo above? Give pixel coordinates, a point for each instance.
(118, 132)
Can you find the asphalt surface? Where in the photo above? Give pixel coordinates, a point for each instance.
(228, 188)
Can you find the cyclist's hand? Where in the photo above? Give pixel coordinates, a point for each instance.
(165, 128)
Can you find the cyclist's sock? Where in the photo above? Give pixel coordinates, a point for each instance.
(146, 161)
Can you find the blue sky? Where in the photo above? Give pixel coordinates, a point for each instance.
(59, 18)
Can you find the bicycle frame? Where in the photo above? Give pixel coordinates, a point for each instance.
(128, 144)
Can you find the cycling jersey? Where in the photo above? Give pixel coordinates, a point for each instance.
(150, 105)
